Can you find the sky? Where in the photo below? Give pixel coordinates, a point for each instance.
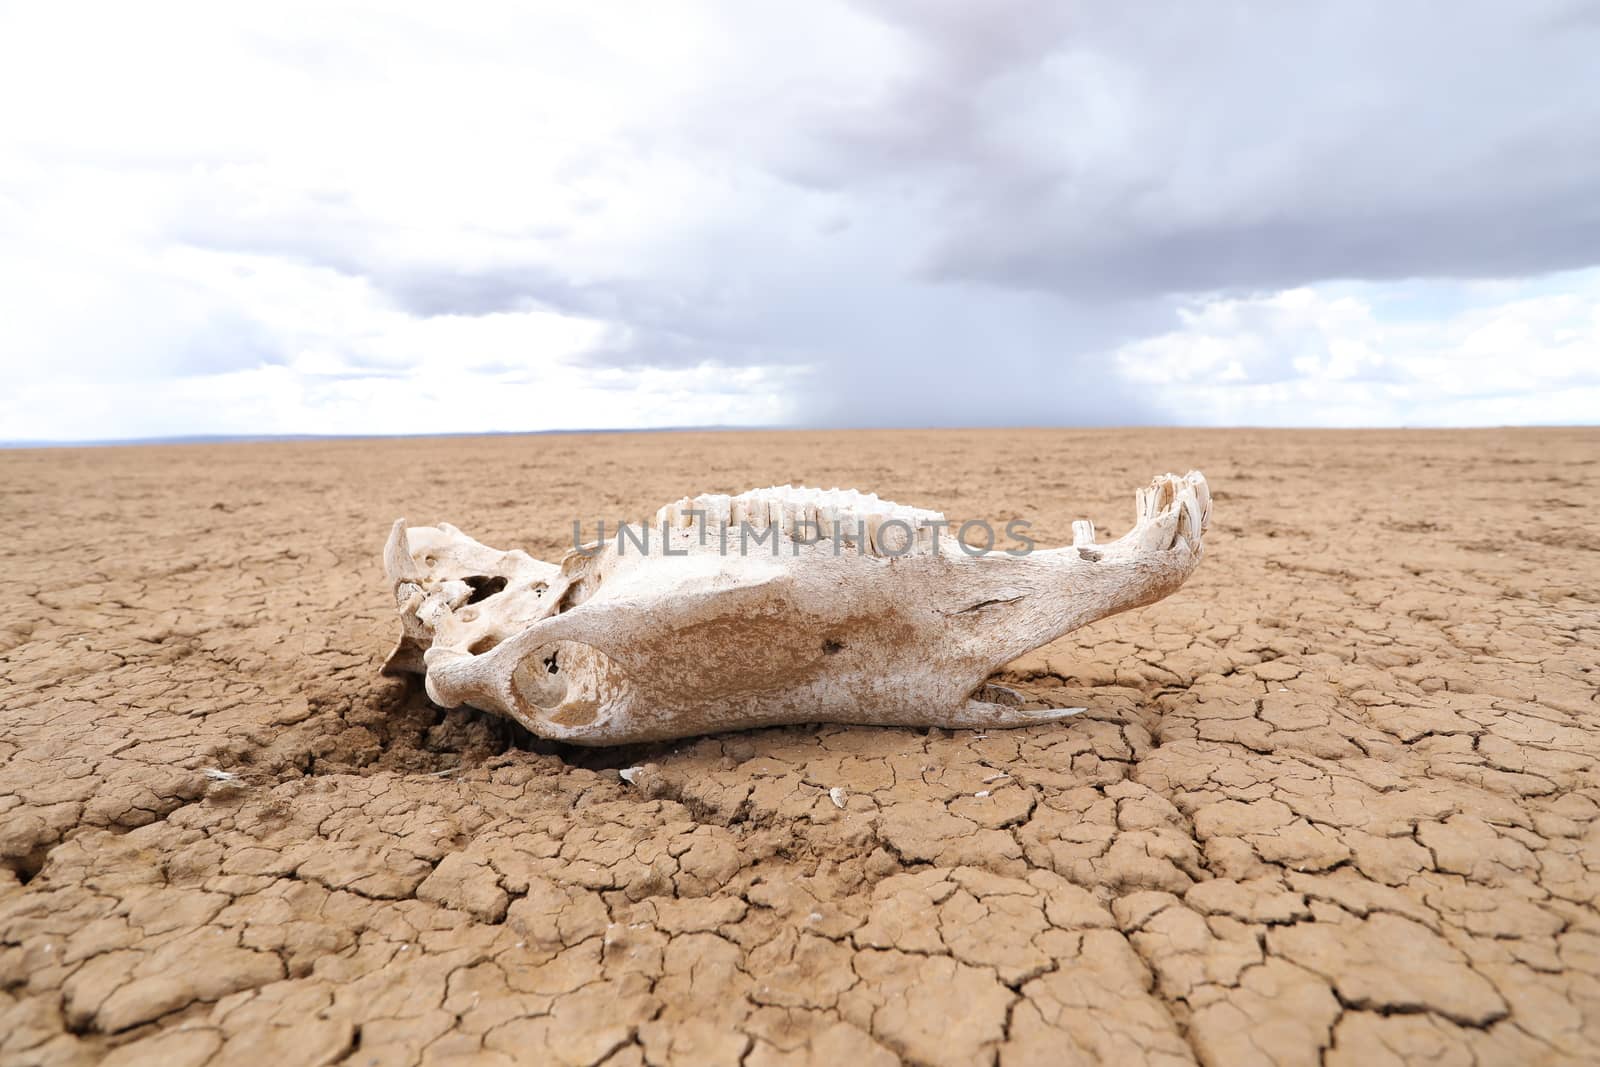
(424, 218)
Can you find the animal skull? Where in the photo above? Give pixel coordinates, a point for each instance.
(874, 621)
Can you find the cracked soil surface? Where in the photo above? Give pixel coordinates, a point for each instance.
(1335, 801)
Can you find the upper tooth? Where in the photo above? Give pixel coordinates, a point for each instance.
(1202, 493)
(716, 508)
(1144, 504)
(808, 516)
(873, 520)
(1191, 519)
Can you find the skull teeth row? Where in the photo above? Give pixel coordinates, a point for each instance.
(801, 513)
(1187, 497)
(884, 528)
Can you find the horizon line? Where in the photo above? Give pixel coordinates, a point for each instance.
(269, 438)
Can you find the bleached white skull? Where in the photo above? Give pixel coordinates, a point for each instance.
(776, 606)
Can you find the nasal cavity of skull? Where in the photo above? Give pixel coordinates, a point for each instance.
(483, 586)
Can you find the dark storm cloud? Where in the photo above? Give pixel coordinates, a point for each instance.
(1095, 150)
(1526, 238)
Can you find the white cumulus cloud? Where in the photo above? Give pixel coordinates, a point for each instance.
(1369, 355)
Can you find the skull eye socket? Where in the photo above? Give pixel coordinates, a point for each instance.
(563, 683)
(484, 586)
(539, 679)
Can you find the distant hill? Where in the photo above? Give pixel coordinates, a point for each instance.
(251, 438)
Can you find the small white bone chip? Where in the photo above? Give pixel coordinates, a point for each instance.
(630, 774)
(838, 795)
(787, 605)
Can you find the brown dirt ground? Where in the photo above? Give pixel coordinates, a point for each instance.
(1337, 800)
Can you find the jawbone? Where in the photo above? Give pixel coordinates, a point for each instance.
(615, 646)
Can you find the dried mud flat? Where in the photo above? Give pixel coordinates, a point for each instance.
(1336, 801)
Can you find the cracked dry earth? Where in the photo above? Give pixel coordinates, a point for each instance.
(1335, 801)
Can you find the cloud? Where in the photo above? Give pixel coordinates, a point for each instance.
(877, 212)
(1522, 353)
(1146, 149)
